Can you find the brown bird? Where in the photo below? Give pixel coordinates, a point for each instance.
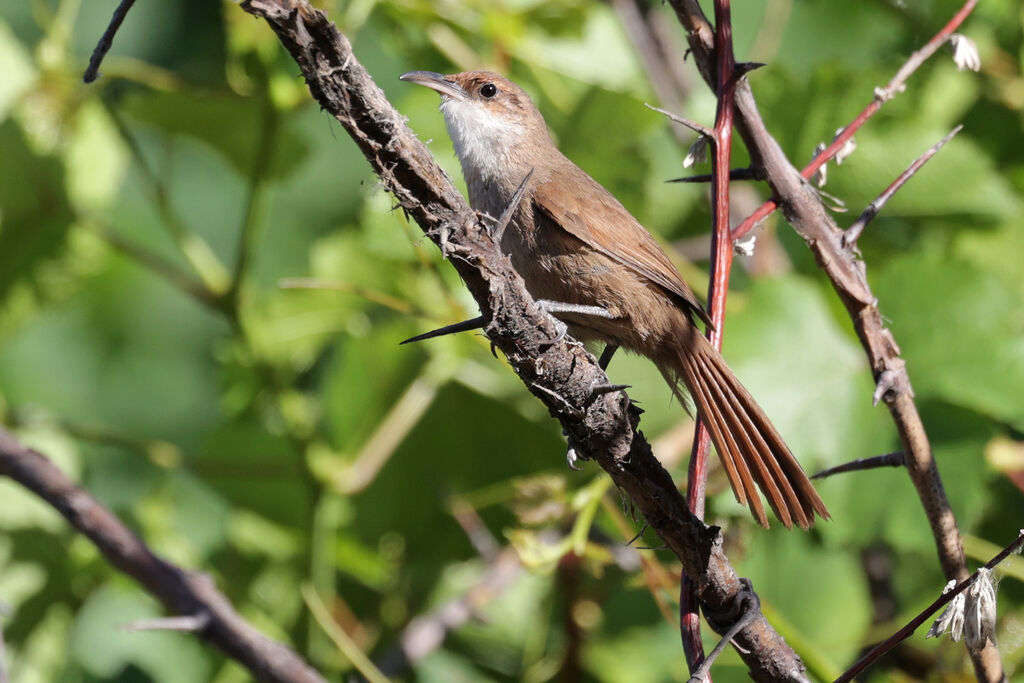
(575, 245)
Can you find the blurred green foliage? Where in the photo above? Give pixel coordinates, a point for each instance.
(279, 438)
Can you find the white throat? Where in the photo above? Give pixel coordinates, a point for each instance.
(483, 142)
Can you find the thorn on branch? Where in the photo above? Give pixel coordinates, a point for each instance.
(836, 204)
(895, 459)
(602, 389)
(606, 356)
(463, 326)
(193, 623)
(749, 173)
(741, 69)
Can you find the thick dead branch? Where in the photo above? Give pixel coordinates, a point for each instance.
(561, 373)
(181, 592)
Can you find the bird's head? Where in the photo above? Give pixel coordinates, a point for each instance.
(488, 117)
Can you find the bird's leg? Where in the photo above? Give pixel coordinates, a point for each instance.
(471, 324)
(556, 307)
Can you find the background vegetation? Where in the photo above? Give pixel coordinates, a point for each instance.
(278, 437)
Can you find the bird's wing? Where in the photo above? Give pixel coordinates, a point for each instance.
(609, 229)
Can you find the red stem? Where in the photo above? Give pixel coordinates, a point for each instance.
(909, 67)
(721, 265)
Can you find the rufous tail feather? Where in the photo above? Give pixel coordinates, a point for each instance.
(753, 453)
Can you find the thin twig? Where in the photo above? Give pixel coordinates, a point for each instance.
(427, 632)
(348, 647)
(944, 599)
(721, 266)
(692, 125)
(481, 538)
(180, 591)
(193, 623)
(852, 233)
(106, 41)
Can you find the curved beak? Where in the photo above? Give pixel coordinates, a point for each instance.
(435, 81)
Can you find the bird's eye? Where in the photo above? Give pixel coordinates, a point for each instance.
(488, 90)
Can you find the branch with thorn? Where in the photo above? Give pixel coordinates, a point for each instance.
(803, 209)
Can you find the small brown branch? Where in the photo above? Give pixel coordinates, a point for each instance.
(427, 632)
(106, 41)
(721, 267)
(692, 125)
(892, 641)
(476, 530)
(895, 459)
(852, 233)
(181, 592)
(559, 372)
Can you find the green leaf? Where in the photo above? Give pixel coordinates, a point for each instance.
(35, 214)
(231, 125)
(961, 329)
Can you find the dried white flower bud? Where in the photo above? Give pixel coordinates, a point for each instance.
(848, 148)
(952, 618)
(965, 52)
(980, 615)
(820, 176)
(745, 246)
(698, 153)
